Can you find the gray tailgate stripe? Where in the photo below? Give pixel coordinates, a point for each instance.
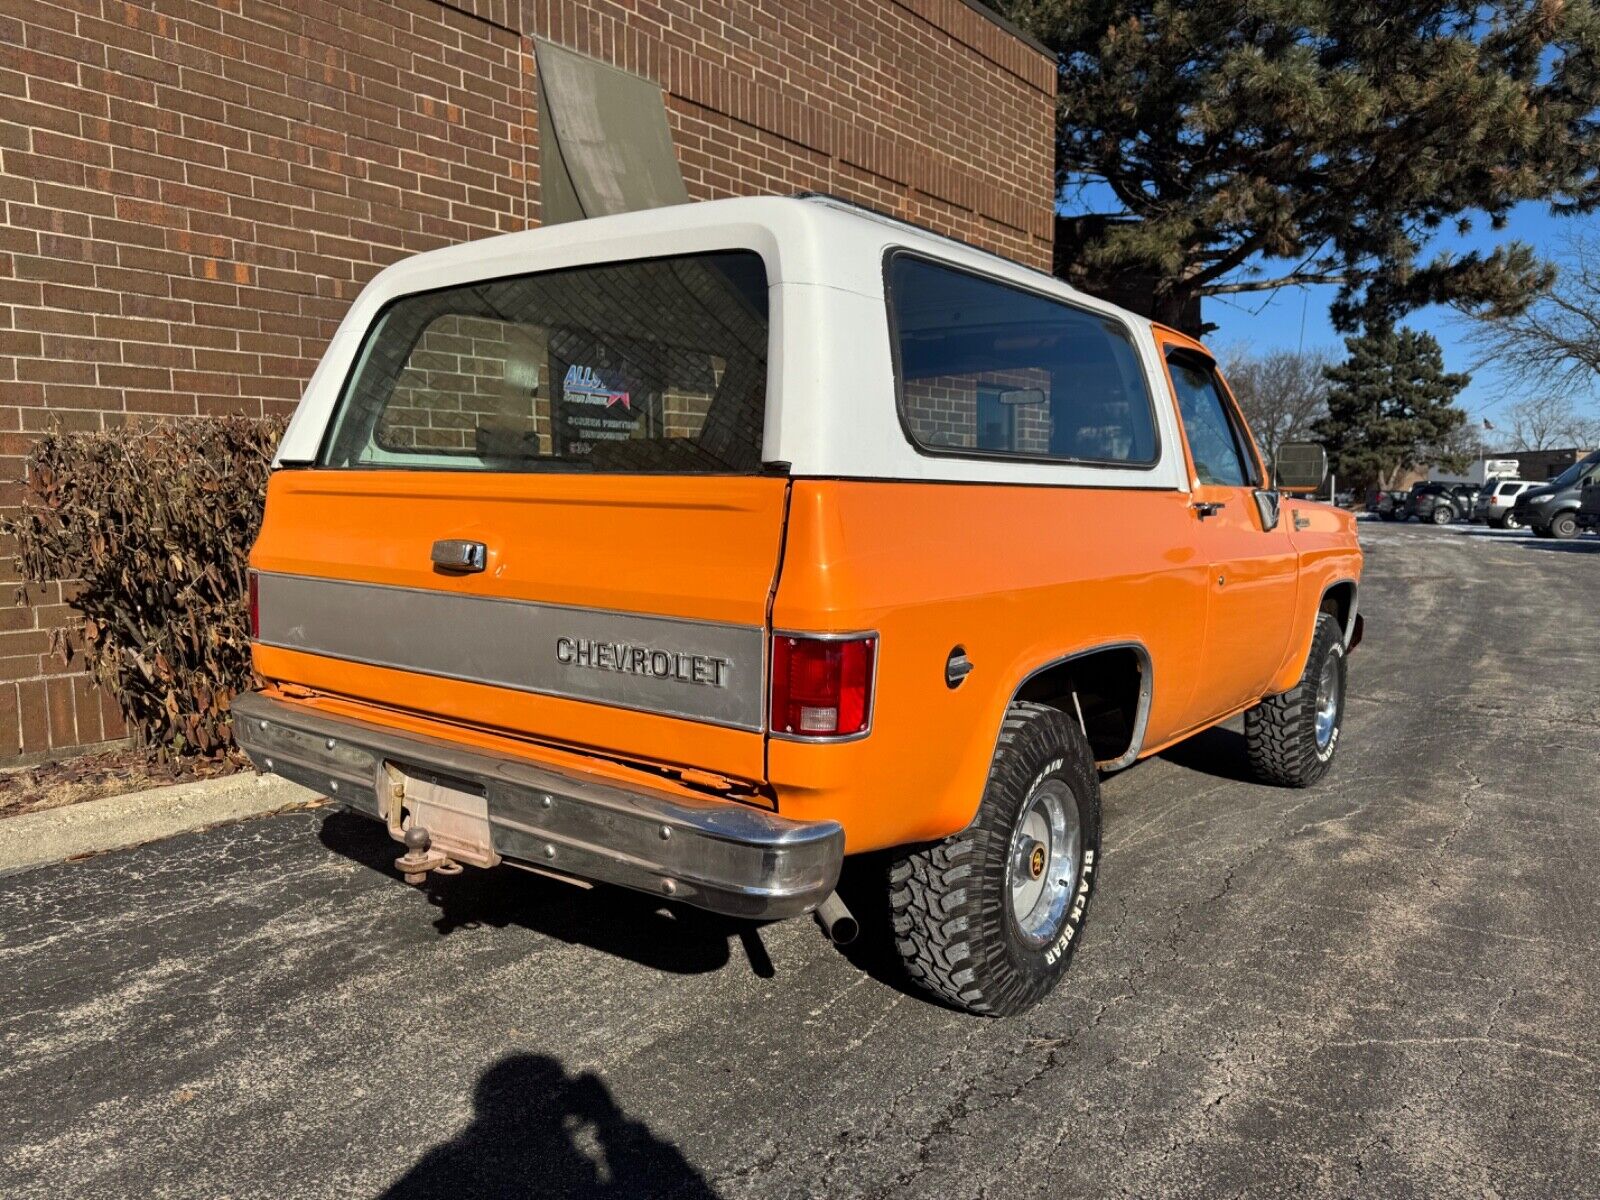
(514, 644)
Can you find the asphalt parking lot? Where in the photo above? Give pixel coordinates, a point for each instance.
(1387, 986)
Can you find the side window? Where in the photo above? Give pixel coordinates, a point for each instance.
(985, 368)
(1214, 439)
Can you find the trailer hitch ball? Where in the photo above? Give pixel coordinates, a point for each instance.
(415, 863)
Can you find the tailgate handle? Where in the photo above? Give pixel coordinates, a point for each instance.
(459, 556)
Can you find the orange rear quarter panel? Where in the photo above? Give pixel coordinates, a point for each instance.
(1020, 577)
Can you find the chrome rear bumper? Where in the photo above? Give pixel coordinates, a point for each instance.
(715, 854)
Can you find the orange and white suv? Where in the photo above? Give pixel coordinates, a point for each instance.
(695, 549)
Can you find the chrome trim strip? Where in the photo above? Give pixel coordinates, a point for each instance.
(720, 855)
(673, 666)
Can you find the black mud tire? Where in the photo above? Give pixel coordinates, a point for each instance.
(950, 903)
(1564, 525)
(1280, 733)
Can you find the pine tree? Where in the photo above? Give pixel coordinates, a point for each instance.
(1391, 407)
(1212, 147)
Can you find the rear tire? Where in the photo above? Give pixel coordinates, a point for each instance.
(1442, 515)
(987, 920)
(1292, 738)
(1564, 526)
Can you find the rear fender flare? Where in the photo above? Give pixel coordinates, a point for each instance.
(1140, 719)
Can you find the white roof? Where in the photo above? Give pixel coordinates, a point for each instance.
(824, 260)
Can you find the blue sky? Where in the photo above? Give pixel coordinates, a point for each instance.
(1299, 316)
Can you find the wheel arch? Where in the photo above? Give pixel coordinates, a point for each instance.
(1118, 680)
(1339, 596)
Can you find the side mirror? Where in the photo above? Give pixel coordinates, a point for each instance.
(1301, 466)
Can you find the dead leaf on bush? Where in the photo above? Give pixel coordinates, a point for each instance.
(154, 525)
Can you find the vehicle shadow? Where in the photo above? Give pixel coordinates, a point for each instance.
(864, 889)
(1217, 751)
(1579, 545)
(537, 1131)
(643, 929)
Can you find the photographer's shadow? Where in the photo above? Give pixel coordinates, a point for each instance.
(538, 1132)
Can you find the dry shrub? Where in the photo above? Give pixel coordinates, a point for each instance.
(153, 526)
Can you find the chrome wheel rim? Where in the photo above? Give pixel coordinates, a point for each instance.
(1046, 857)
(1327, 701)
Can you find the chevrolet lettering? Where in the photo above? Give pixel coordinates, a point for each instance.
(643, 660)
(746, 535)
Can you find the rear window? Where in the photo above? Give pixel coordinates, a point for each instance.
(638, 367)
(986, 369)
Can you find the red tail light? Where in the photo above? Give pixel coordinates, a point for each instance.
(255, 607)
(822, 687)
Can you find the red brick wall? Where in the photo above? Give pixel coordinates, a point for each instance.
(194, 190)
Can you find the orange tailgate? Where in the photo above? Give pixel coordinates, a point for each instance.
(622, 614)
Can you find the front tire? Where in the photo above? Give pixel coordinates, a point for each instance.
(1292, 738)
(1564, 526)
(987, 920)
(1442, 515)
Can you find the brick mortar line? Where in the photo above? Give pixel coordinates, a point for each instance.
(982, 52)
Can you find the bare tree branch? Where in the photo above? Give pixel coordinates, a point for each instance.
(1267, 285)
(1551, 350)
(1281, 393)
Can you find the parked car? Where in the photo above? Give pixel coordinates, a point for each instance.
(1440, 503)
(1495, 502)
(1552, 509)
(758, 532)
(1589, 504)
(1390, 504)
(1465, 498)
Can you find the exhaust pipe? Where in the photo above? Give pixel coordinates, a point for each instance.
(836, 920)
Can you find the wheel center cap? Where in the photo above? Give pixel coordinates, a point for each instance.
(1036, 860)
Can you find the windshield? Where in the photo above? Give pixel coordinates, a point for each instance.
(1575, 472)
(651, 366)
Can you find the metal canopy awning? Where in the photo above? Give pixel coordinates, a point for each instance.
(604, 143)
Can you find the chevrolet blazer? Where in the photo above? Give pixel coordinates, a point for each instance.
(695, 549)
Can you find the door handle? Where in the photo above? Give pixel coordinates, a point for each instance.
(459, 556)
(1208, 508)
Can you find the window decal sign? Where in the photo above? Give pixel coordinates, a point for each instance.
(594, 410)
(583, 385)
